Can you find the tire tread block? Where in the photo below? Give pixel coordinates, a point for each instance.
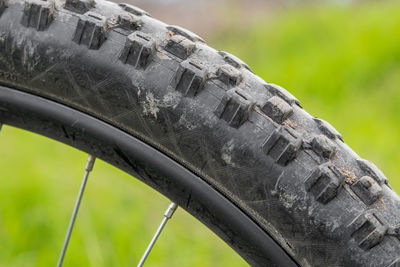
(79, 6)
(139, 50)
(367, 189)
(367, 230)
(234, 107)
(283, 145)
(91, 30)
(277, 109)
(229, 75)
(37, 14)
(180, 46)
(371, 170)
(189, 78)
(324, 182)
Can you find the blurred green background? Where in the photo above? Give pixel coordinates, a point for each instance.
(340, 58)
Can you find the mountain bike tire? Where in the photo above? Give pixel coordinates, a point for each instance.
(240, 154)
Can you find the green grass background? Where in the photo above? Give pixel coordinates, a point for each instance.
(341, 61)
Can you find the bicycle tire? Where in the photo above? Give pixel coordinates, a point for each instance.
(281, 169)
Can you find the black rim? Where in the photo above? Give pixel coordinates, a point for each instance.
(72, 127)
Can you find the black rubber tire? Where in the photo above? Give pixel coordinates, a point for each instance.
(251, 141)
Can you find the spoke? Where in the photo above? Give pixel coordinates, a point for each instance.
(88, 168)
(167, 215)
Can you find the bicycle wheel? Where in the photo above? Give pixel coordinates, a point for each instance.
(241, 155)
